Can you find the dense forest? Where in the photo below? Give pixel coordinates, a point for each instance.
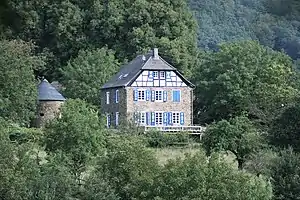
(241, 55)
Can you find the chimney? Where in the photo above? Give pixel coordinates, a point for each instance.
(155, 54)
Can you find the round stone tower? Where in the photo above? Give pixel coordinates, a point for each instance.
(49, 103)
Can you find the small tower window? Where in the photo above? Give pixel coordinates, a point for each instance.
(42, 114)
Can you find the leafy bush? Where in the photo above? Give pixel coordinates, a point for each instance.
(158, 139)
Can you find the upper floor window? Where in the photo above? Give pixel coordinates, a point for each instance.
(162, 75)
(176, 95)
(107, 97)
(141, 95)
(117, 96)
(158, 95)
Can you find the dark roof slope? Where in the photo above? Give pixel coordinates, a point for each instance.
(131, 70)
(48, 93)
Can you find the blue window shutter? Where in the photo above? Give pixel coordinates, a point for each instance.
(174, 96)
(178, 95)
(181, 118)
(170, 118)
(165, 96)
(148, 118)
(165, 118)
(135, 95)
(152, 118)
(147, 95)
(152, 95)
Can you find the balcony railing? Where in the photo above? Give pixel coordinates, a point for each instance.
(196, 130)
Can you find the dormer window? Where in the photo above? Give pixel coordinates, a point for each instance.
(125, 75)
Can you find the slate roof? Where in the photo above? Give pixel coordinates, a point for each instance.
(130, 71)
(48, 93)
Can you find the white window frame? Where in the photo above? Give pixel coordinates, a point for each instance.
(155, 74)
(117, 96)
(142, 118)
(179, 96)
(140, 91)
(162, 75)
(108, 120)
(156, 93)
(107, 97)
(159, 118)
(176, 118)
(117, 118)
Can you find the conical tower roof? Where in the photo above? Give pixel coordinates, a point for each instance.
(48, 93)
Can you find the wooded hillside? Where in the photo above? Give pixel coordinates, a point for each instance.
(247, 95)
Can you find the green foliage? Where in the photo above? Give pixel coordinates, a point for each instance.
(286, 176)
(243, 77)
(17, 85)
(195, 177)
(238, 135)
(129, 167)
(285, 130)
(159, 139)
(274, 23)
(84, 76)
(62, 28)
(24, 175)
(79, 134)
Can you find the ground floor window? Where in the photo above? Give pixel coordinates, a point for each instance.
(158, 118)
(108, 120)
(117, 118)
(176, 118)
(140, 118)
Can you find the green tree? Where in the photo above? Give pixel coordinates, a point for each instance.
(285, 129)
(243, 77)
(18, 91)
(286, 176)
(238, 135)
(84, 76)
(62, 28)
(128, 166)
(79, 134)
(196, 177)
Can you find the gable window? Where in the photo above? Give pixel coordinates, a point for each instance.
(107, 97)
(117, 96)
(155, 74)
(158, 118)
(141, 95)
(158, 95)
(175, 118)
(162, 75)
(176, 95)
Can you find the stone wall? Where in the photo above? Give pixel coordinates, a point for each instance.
(127, 106)
(185, 104)
(47, 110)
(114, 107)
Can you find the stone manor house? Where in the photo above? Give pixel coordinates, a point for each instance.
(149, 92)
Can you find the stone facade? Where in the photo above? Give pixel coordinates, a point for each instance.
(47, 110)
(114, 107)
(127, 106)
(185, 104)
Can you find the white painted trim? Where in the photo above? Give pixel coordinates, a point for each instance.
(117, 118)
(107, 97)
(117, 96)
